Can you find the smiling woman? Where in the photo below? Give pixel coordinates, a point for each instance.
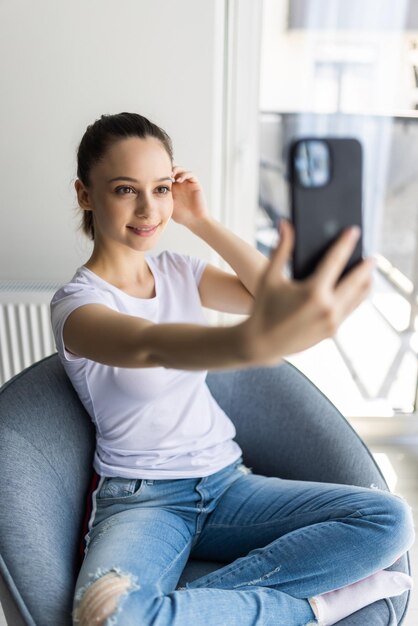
(141, 205)
(169, 476)
(98, 137)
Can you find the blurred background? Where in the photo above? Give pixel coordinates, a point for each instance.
(233, 82)
(332, 68)
(338, 69)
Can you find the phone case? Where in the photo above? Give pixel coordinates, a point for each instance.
(321, 209)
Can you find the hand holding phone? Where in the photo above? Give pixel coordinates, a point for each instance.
(325, 198)
(293, 315)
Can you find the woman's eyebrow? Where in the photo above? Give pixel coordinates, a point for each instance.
(134, 180)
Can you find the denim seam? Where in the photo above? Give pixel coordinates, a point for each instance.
(238, 567)
(260, 579)
(342, 516)
(169, 567)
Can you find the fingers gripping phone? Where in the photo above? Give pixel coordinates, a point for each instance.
(325, 198)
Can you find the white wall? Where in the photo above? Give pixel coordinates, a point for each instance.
(63, 64)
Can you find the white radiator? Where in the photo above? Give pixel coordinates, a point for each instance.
(25, 328)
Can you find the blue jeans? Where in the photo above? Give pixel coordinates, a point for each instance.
(282, 542)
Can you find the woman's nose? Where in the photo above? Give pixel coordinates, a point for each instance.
(144, 205)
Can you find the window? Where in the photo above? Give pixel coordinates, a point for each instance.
(332, 68)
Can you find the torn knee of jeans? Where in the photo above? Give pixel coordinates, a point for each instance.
(101, 599)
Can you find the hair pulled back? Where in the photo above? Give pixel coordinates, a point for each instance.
(100, 135)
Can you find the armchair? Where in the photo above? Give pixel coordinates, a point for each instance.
(285, 426)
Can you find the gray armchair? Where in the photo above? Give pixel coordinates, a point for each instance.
(285, 426)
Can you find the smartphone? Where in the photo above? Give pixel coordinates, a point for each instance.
(325, 198)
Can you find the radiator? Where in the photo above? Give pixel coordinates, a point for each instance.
(25, 328)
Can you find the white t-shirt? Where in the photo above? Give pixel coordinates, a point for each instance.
(150, 422)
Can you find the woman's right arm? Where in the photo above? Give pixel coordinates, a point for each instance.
(287, 317)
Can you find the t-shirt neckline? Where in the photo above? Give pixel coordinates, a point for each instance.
(151, 266)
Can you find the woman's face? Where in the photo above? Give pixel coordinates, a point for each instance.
(130, 193)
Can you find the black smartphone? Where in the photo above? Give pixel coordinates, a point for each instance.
(325, 198)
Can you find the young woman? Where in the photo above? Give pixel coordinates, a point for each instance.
(171, 482)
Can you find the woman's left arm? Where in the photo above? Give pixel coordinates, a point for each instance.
(218, 289)
(222, 290)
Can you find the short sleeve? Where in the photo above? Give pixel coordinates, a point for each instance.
(197, 266)
(185, 264)
(65, 301)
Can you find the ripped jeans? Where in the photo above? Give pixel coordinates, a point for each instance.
(282, 542)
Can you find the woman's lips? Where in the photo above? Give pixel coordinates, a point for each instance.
(144, 231)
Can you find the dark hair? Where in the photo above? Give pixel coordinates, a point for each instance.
(100, 135)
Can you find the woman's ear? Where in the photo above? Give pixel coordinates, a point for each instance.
(83, 195)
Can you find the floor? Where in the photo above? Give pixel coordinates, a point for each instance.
(399, 464)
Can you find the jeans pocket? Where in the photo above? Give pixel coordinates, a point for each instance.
(118, 488)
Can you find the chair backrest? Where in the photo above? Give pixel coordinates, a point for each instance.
(46, 447)
(285, 427)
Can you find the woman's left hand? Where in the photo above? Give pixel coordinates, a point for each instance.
(189, 203)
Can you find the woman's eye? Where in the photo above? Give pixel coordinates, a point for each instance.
(124, 190)
(163, 189)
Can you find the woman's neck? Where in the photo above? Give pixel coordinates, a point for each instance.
(129, 272)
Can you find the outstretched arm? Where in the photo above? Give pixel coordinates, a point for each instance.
(287, 317)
